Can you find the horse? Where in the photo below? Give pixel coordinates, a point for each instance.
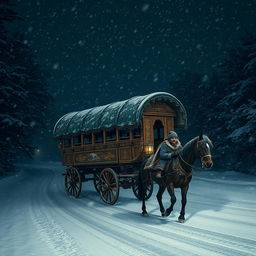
(177, 175)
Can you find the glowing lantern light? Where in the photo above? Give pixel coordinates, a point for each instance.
(149, 148)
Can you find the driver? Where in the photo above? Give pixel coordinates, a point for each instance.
(167, 150)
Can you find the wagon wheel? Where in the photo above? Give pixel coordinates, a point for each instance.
(73, 184)
(149, 189)
(96, 181)
(108, 186)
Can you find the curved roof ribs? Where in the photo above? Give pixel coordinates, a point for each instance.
(125, 110)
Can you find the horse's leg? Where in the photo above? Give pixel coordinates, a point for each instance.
(170, 189)
(184, 191)
(142, 186)
(160, 192)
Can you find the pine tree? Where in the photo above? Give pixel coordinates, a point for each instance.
(23, 93)
(233, 111)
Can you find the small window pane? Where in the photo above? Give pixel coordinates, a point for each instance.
(77, 140)
(136, 133)
(67, 142)
(98, 137)
(111, 135)
(124, 134)
(88, 138)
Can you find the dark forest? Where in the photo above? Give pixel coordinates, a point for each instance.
(59, 57)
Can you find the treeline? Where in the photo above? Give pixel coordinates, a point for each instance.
(224, 105)
(23, 93)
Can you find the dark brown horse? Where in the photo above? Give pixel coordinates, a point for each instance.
(177, 174)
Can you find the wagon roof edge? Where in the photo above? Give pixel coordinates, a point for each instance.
(116, 114)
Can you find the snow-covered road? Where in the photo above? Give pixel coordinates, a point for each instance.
(38, 218)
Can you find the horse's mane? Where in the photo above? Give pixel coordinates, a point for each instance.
(191, 142)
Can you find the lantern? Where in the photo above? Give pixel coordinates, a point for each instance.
(149, 148)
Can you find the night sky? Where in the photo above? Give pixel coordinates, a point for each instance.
(98, 52)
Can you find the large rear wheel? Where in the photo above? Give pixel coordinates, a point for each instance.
(108, 186)
(73, 184)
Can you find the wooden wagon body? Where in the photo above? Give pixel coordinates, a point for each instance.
(117, 138)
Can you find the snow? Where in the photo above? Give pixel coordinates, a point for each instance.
(119, 113)
(38, 218)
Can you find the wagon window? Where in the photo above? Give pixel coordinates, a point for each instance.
(98, 137)
(88, 138)
(111, 135)
(124, 134)
(136, 133)
(77, 140)
(66, 142)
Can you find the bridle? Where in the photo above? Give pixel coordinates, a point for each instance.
(201, 159)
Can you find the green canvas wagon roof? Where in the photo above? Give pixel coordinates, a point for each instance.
(125, 113)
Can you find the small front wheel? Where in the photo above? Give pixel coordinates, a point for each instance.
(73, 184)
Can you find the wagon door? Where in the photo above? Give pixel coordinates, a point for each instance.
(158, 120)
(158, 131)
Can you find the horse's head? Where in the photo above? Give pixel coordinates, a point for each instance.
(203, 151)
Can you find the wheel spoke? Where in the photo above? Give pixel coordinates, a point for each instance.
(104, 191)
(69, 188)
(73, 182)
(113, 194)
(71, 191)
(106, 196)
(108, 186)
(105, 179)
(76, 191)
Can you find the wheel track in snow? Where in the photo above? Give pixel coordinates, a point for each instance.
(176, 236)
(232, 207)
(52, 233)
(211, 242)
(226, 181)
(215, 236)
(108, 228)
(225, 241)
(130, 251)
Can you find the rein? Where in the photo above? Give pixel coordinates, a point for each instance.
(194, 167)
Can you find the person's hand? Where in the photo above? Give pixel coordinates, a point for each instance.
(173, 155)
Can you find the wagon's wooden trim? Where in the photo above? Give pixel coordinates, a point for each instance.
(119, 152)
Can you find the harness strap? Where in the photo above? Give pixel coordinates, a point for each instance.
(194, 167)
(180, 169)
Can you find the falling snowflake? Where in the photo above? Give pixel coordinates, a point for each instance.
(55, 66)
(145, 7)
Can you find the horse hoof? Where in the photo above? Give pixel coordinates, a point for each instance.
(166, 213)
(181, 220)
(144, 214)
(163, 214)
